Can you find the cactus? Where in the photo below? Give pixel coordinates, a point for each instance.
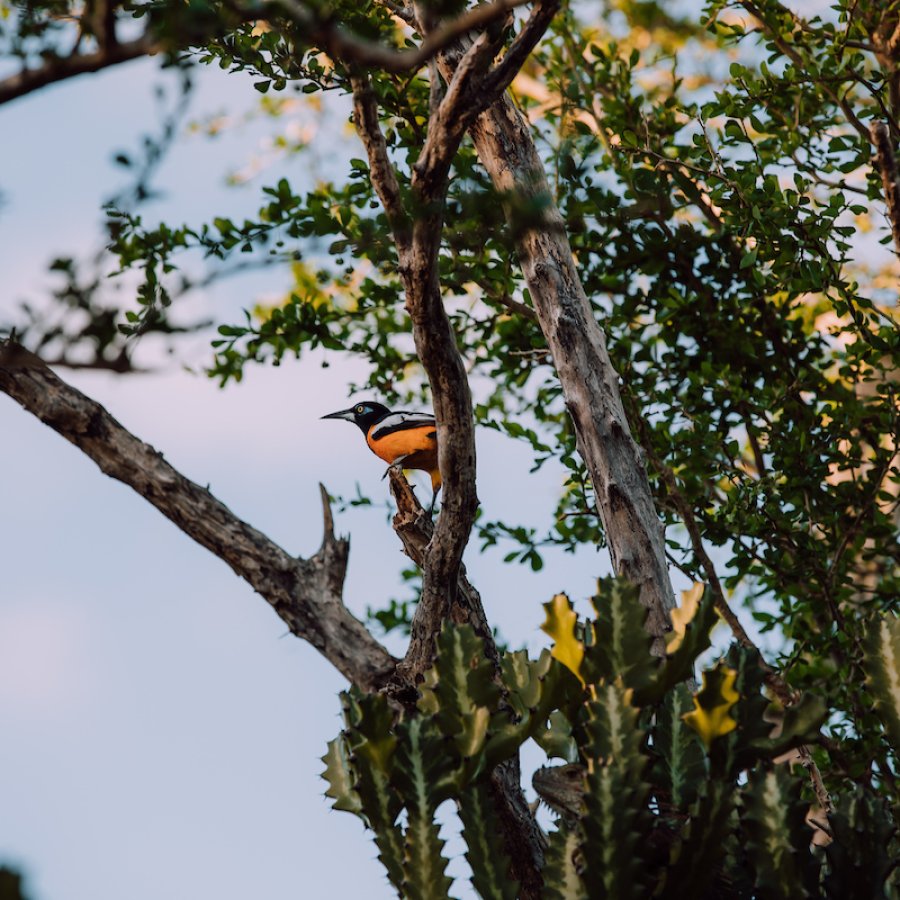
(665, 794)
(485, 853)
(883, 674)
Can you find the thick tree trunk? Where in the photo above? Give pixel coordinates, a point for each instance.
(578, 348)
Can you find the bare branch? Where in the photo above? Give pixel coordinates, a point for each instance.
(60, 68)
(448, 122)
(384, 178)
(335, 40)
(415, 529)
(516, 307)
(887, 166)
(343, 45)
(438, 550)
(306, 593)
(435, 346)
(526, 40)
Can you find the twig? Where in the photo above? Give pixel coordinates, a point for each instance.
(791, 53)
(520, 49)
(523, 836)
(517, 307)
(384, 178)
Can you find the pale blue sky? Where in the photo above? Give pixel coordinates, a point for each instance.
(160, 734)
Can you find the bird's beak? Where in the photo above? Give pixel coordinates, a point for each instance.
(341, 414)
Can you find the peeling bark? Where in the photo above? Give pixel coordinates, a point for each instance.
(578, 347)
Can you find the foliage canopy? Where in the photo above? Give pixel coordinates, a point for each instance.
(727, 181)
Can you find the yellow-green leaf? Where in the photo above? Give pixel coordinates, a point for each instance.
(683, 615)
(561, 626)
(712, 705)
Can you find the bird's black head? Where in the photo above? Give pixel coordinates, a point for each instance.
(365, 414)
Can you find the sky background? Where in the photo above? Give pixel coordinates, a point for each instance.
(160, 735)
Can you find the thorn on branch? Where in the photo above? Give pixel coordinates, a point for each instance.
(327, 516)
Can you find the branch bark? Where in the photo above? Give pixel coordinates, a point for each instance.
(306, 593)
(886, 164)
(62, 68)
(445, 592)
(349, 49)
(578, 348)
(435, 342)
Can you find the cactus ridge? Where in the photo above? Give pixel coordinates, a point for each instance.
(666, 794)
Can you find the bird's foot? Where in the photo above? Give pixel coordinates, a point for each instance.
(396, 465)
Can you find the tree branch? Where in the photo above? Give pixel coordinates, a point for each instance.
(886, 163)
(437, 350)
(438, 549)
(525, 842)
(578, 347)
(306, 593)
(60, 68)
(348, 48)
(532, 31)
(384, 178)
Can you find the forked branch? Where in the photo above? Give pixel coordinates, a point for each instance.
(306, 593)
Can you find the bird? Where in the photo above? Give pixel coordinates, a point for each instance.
(407, 440)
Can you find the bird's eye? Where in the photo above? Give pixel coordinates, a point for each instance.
(359, 409)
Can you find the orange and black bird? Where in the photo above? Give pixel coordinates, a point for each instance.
(404, 439)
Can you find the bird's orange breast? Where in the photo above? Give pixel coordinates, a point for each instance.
(390, 447)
